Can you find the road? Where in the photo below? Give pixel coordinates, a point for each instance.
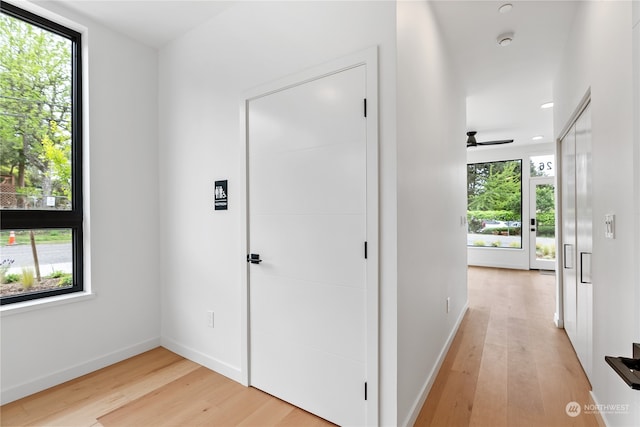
(52, 257)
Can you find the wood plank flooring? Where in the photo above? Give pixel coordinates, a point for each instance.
(157, 388)
(508, 364)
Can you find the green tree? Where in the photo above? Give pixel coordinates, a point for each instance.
(35, 108)
(495, 186)
(545, 198)
(545, 205)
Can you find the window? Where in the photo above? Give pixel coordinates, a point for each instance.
(494, 204)
(542, 166)
(40, 157)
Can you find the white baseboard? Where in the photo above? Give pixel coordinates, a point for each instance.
(600, 417)
(422, 396)
(229, 371)
(42, 383)
(498, 265)
(558, 321)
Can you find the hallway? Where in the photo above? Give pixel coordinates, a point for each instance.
(508, 364)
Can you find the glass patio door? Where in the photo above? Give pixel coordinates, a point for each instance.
(542, 224)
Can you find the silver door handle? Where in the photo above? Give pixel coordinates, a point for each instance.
(585, 266)
(566, 257)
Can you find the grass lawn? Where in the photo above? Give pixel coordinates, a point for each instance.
(42, 236)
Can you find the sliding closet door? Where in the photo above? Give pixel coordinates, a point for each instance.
(577, 224)
(584, 221)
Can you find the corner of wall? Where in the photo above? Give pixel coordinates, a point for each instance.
(122, 318)
(34, 385)
(431, 164)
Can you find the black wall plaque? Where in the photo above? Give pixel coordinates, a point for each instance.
(220, 196)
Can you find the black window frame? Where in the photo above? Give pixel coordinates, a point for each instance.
(14, 219)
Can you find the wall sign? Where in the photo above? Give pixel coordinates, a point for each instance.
(220, 196)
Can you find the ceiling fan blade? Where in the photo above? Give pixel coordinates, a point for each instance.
(501, 141)
(471, 140)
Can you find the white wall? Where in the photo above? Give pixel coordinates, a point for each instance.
(431, 199)
(202, 78)
(598, 56)
(508, 257)
(197, 82)
(48, 345)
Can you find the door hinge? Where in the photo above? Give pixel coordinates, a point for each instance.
(365, 391)
(365, 107)
(365, 250)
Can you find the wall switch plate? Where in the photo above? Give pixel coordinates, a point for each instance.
(210, 319)
(448, 304)
(610, 226)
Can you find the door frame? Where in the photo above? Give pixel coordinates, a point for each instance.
(368, 58)
(534, 263)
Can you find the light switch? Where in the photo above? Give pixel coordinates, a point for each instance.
(609, 226)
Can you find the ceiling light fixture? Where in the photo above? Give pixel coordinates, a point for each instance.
(505, 39)
(546, 105)
(505, 8)
(537, 137)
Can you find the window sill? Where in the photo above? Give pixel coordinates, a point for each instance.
(26, 306)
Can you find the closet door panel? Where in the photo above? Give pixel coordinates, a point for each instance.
(584, 240)
(568, 149)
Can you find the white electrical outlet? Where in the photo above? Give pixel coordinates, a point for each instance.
(210, 319)
(448, 304)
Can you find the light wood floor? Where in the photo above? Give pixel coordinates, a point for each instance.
(157, 388)
(508, 364)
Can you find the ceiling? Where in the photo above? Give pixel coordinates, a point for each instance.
(152, 22)
(505, 86)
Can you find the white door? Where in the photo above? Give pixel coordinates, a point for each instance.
(584, 221)
(307, 223)
(568, 149)
(577, 224)
(542, 251)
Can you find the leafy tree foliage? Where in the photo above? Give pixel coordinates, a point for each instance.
(545, 198)
(545, 206)
(35, 108)
(495, 186)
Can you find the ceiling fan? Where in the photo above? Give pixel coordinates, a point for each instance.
(471, 140)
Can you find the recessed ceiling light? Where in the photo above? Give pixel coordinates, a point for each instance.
(505, 39)
(546, 105)
(505, 8)
(537, 137)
